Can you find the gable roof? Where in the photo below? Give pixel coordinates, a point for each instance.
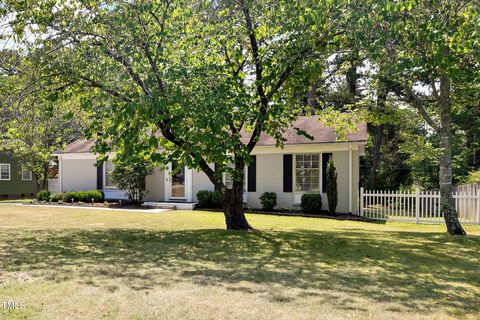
(309, 124)
(314, 128)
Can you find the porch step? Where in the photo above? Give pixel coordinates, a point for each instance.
(170, 205)
(160, 206)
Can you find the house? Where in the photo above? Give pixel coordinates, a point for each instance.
(15, 181)
(291, 171)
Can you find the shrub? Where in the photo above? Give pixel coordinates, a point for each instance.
(311, 203)
(129, 174)
(83, 196)
(56, 197)
(43, 195)
(216, 199)
(473, 177)
(87, 196)
(332, 193)
(209, 199)
(69, 196)
(268, 200)
(204, 199)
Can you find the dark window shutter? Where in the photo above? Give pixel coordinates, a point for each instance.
(100, 176)
(287, 173)
(325, 158)
(252, 175)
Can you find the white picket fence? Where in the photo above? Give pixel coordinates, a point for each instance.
(418, 206)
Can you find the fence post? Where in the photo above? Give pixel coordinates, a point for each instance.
(478, 207)
(417, 205)
(361, 201)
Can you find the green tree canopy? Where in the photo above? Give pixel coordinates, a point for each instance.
(186, 76)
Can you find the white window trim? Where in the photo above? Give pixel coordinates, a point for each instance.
(245, 179)
(105, 187)
(9, 172)
(294, 170)
(29, 174)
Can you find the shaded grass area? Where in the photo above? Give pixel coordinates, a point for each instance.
(17, 201)
(319, 267)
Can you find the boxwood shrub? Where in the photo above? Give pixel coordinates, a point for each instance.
(83, 196)
(311, 203)
(43, 195)
(203, 199)
(268, 200)
(209, 199)
(216, 199)
(56, 197)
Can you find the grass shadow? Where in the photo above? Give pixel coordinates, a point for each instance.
(419, 271)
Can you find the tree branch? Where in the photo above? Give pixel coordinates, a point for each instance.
(129, 69)
(416, 102)
(95, 84)
(264, 101)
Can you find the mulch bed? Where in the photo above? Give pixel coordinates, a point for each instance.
(323, 215)
(126, 205)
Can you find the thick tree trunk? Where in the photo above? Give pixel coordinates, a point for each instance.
(233, 208)
(447, 203)
(233, 200)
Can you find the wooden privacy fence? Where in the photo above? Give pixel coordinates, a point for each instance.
(469, 188)
(417, 206)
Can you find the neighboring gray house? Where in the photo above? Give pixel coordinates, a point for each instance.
(15, 181)
(296, 169)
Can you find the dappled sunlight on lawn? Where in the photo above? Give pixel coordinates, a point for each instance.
(354, 267)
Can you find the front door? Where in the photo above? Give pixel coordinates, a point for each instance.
(177, 181)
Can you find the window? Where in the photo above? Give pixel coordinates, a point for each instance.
(4, 171)
(325, 158)
(108, 174)
(228, 180)
(26, 174)
(307, 173)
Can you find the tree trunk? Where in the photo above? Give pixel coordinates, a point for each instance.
(447, 203)
(377, 148)
(233, 200)
(382, 93)
(312, 97)
(233, 208)
(45, 177)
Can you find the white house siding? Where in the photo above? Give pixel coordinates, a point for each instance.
(355, 180)
(270, 178)
(155, 184)
(78, 174)
(341, 159)
(200, 181)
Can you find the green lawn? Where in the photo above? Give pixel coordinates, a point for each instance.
(86, 264)
(17, 201)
